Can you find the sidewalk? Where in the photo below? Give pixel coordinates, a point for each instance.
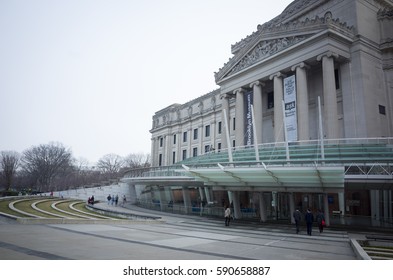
(128, 210)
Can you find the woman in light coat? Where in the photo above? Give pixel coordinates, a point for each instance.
(227, 215)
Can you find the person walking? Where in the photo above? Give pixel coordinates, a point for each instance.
(309, 220)
(109, 198)
(227, 215)
(320, 220)
(297, 217)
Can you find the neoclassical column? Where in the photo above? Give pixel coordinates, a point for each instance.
(201, 135)
(385, 199)
(278, 111)
(225, 107)
(390, 204)
(326, 209)
(329, 95)
(374, 203)
(239, 122)
(189, 140)
(154, 155)
(179, 140)
(167, 150)
(258, 107)
(262, 207)
(292, 207)
(302, 101)
(234, 200)
(187, 200)
(341, 203)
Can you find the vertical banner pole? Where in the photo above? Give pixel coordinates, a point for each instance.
(228, 138)
(321, 130)
(285, 131)
(255, 134)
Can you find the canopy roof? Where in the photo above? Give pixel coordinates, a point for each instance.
(288, 177)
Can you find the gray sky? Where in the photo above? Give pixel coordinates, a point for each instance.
(90, 74)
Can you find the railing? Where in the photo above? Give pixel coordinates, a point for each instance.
(179, 208)
(353, 153)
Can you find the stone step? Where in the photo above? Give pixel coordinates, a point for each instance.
(372, 254)
(387, 250)
(380, 258)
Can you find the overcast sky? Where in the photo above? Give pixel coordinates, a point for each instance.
(91, 74)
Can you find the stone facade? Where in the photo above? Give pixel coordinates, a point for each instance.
(339, 50)
(337, 56)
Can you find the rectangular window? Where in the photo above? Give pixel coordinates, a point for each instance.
(195, 133)
(270, 100)
(234, 123)
(219, 146)
(173, 157)
(219, 127)
(234, 143)
(184, 154)
(174, 139)
(185, 136)
(337, 78)
(195, 152)
(161, 141)
(207, 131)
(382, 110)
(207, 148)
(159, 159)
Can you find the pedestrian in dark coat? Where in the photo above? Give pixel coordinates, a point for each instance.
(297, 217)
(309, 220)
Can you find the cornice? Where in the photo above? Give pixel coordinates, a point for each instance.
(386, 4)
(171, 115)
(385, 14)
(278, 38)
(291, 12)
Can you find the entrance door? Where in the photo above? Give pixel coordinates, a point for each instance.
(277, 207)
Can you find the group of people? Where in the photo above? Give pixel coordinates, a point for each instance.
(297, 215)
(309, 218)
(114, 200)
(90, 200)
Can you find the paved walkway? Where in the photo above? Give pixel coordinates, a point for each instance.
(177, 237)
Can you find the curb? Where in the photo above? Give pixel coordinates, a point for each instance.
(358, 250)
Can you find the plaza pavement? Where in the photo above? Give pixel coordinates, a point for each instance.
(172, 236)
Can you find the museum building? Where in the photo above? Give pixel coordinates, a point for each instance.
(302, 119)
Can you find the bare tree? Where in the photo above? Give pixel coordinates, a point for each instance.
(9, 162)
(140, 160)
(81, 164)
(110, 163)
(45, 162)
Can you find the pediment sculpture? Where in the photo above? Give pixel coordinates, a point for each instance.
(265, 49)
(269, 40)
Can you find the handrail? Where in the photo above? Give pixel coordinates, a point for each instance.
(347, 151)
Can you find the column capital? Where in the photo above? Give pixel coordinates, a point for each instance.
(239, 90)
(257, 83)
(278, 75)
(225, 95)
(327, 54)
(300, 65)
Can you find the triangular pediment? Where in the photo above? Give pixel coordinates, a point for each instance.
(269, 41)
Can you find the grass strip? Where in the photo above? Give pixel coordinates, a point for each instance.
(4, 208)
(47, 206)
(25, 206)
